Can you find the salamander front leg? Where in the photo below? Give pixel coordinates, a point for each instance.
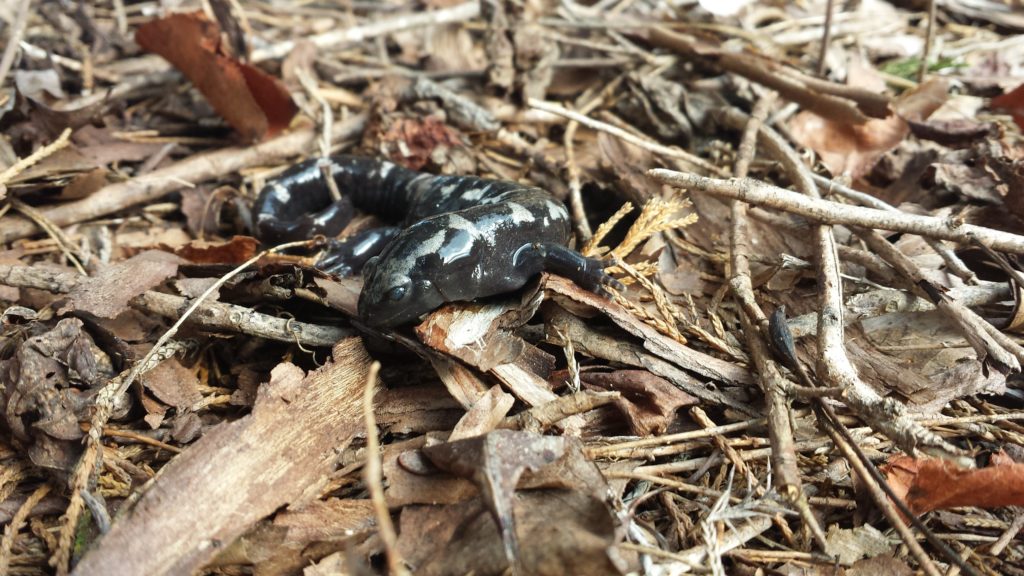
(587, 272)
(348, 256)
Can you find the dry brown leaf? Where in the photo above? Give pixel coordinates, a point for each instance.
(561, 531)
(234, 251)
(173, 384)
(648, 401)
(1012, 102)
(45, 385)
(855, 148)
(932, 484)
(251, 101)
(107, 293)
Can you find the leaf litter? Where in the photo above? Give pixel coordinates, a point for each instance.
(674, 428)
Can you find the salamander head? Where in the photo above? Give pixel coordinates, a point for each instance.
(399, 286)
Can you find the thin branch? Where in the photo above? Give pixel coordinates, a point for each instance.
(656, 148)
(825, 211)
(13, 41)
(193, 170)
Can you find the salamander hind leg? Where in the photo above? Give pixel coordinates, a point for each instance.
(587, 272)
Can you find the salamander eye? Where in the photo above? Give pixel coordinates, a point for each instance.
(397, 293)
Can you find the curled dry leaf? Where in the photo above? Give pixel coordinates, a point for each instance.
(45, 386)
(932, 484)
(251, 101)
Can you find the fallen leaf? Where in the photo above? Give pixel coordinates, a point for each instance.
(45, 385)
(932, 483)
(855, 148)
(1012, 102)
(496, 462)
(648, 401)
(234, 251)
(107, 293)
(251, 101)
(880, 565)
(173, 384)
(561, 531)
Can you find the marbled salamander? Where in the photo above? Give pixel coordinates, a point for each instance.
(462, 237)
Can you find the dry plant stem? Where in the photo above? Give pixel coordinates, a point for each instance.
(12, 529)
(342, 36)
(622, 134)
(197, 168)
(63, 242)
(14, 40)
(986, 340)
(1009, 534)
(373, 478)
(701, 418)
(826, 37)
(953, 262)
(773, 383)
(766, 195)
(28, 161)
(579, 214)
(929, 39)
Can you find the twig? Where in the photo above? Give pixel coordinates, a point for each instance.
(754, 321)
(373, 478)
(349, 35)
(193, 170)
(589, 122)
(887, 415)
(209, 315)
(463, 111)
(929, 39)
(955, 264)
(762, 194)
(826, 37)
(13, 41)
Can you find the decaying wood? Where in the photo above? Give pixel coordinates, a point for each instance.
(240, 472)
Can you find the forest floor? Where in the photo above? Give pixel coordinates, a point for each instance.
(813, 366)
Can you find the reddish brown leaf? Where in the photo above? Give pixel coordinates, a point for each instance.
(252, 102)
(931, 484)
(1012, 102)
(234, 251)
